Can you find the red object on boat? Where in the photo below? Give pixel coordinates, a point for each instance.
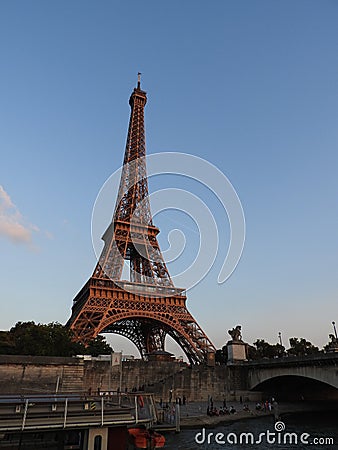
(146, 438)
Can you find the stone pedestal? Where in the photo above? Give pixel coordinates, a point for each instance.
(236, 351)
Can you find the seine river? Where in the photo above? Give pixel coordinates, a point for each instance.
(314, 430)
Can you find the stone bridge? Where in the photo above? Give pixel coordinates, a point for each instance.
(313, 376)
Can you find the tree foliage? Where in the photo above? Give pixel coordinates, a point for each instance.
(53, 339)
(221, 356)
(265, 350)
(301, 347)
(298, 347)
(98, 346)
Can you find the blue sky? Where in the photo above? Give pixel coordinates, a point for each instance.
(250, 86)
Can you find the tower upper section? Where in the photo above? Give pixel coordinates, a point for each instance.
(132, 201)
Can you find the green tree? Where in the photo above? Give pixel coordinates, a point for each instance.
(6, 343)
(60, 341)
(266, 350)
(98, 346)
(53, 339)
(221, 356)
(301, 347)
(252, 353)
(29, 339)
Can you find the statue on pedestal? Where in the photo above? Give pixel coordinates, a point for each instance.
(236, 347)
(236, 333)
(332, 346)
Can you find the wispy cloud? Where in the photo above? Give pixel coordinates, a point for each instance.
(12, 224)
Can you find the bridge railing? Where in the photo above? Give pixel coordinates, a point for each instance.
(330, 358)
(34, 412)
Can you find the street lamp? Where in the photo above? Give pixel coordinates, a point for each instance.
(334, 328)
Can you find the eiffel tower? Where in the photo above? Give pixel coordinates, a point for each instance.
(148, 307)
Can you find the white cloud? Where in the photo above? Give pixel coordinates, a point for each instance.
(12, 224)
(5, 200)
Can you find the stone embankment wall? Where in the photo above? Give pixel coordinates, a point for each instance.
(26, 374)
(197, 383)
(22, 374)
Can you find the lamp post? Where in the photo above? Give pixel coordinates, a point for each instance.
(334, 329)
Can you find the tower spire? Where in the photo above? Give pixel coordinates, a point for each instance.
(139, 80)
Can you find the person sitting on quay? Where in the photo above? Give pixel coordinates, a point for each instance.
(258, 407)
(223, 411)
(232, 410)
(212, 412)
(267, 406)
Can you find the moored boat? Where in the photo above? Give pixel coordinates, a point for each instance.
(149, 439)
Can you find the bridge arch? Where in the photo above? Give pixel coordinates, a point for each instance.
(324, 374)
(288, 387)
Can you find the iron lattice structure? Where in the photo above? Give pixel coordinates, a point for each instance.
(148, 307)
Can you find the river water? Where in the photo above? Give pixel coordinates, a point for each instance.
(310, 430)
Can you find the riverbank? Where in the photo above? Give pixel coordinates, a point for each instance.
(194, 415)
